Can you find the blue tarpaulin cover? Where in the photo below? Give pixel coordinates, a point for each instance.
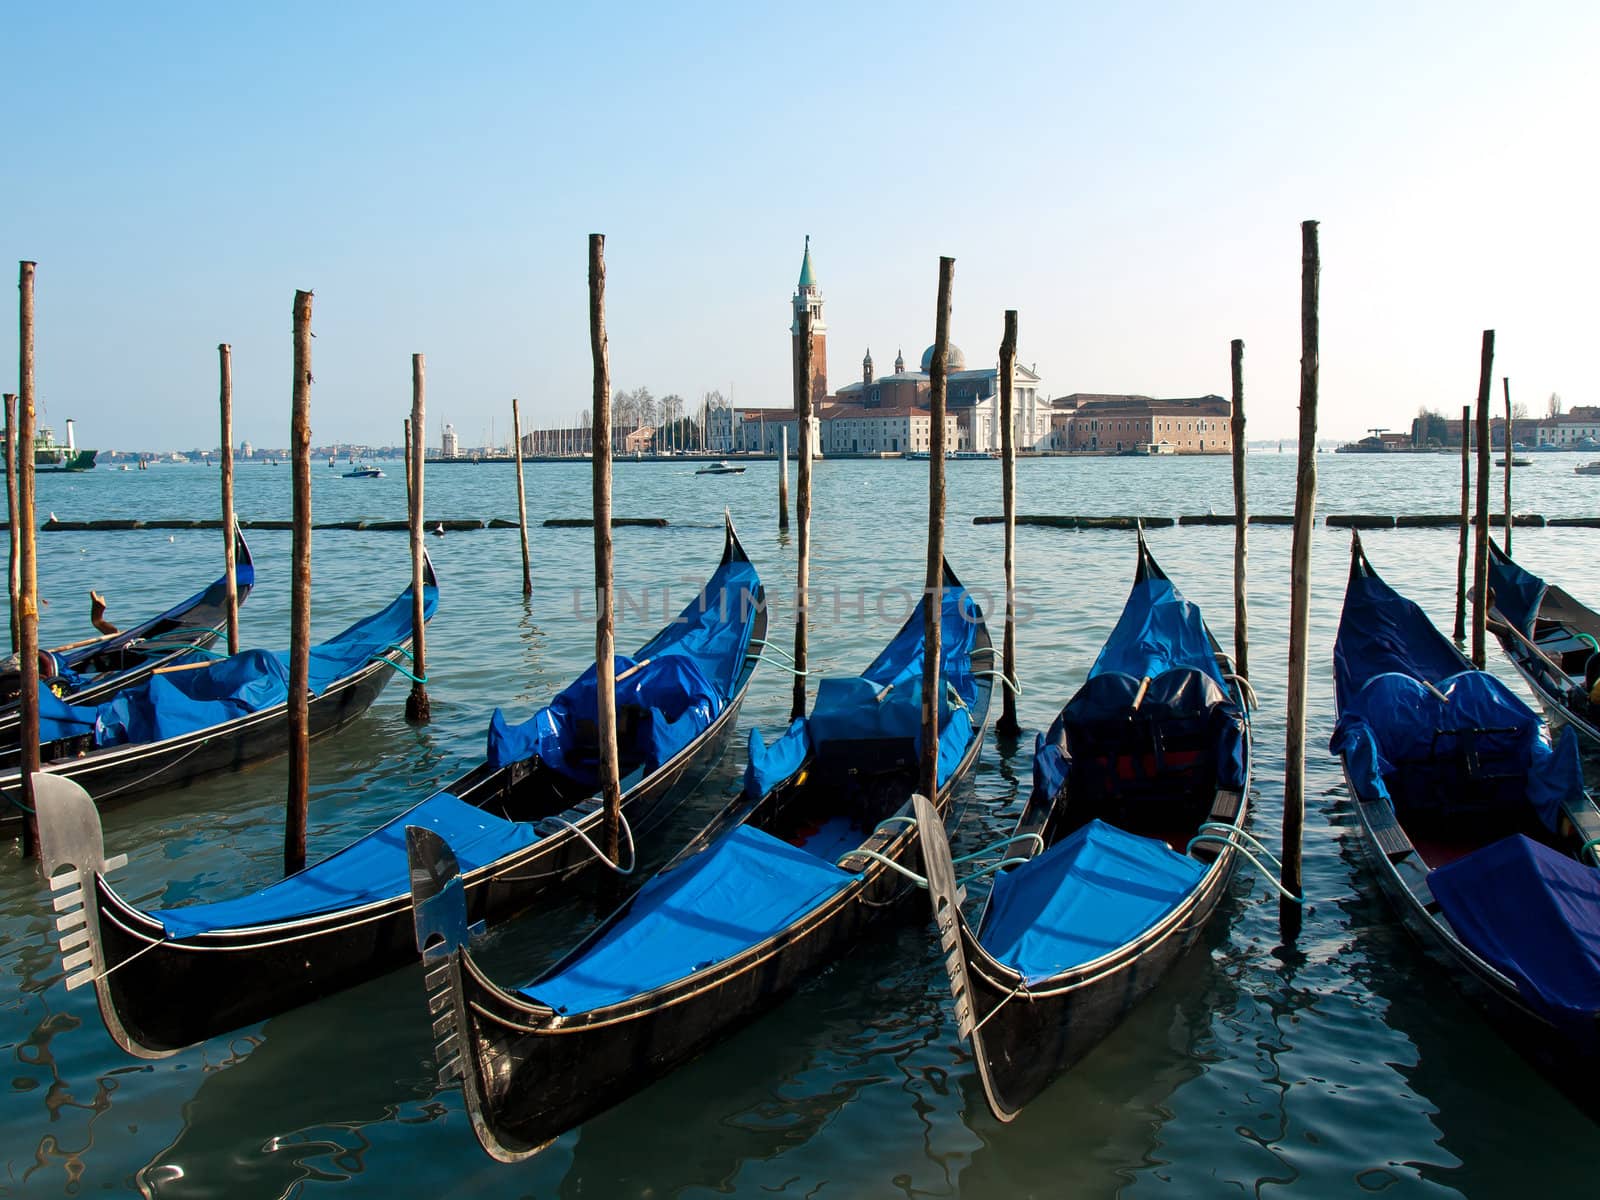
(885, 700)
(1380, 631)
(372, 869)
(745, 887)
(1518, 592)
(1158, 630)
(1385, 647)
(1090, 893)
(180, 702)
(688, 675)
(1162, 637)
(769, 766)
(1535, 915)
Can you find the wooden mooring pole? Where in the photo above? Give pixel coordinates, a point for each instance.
(1241, 521)
(933, 588)
(294, 826)
(604, 634)
(1007, 725)
(783, 478)
(28, 562)
(1480, 549)
(522, 501)
(1466, 523)
(230, 564)
(419, 709)
(1305, 500)
(1505, 381)
(14, 566)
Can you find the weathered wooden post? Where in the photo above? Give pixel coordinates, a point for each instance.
(1466, 523)
(294, 829)
(522, 501)
(1241, 521)
(1007, 724)
(14, 566)
(229, 558)
(604, 635)
(802, 512)
(1505, 381)
(933, 588)
(419, 710)
(27, 524)
(783, 478)
(1305, 500)
(1480, 550)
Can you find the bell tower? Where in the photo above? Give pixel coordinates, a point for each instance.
(807, 295)
(866, 369)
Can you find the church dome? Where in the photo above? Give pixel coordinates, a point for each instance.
(954, 360)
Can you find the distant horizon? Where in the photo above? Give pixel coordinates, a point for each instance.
(1132, 182)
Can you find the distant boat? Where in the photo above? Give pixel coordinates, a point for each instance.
(364, 471)
(720, 468)
(1515, 462)
(50, 455)
(1591, 469)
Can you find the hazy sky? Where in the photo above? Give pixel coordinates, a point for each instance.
(1130, 177)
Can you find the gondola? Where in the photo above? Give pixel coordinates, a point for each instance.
(1479, 832)
(193, 720)
(783, 881)
(524, 821)
(1120, 858)
(87, 672)
(1552, 639)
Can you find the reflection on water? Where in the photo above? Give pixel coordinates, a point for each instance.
(1337, 1066)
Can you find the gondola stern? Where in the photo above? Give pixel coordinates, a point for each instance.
(946, 896)
(72, 856)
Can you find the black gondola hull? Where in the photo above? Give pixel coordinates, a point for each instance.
(1028, 1037)
(123, 773)
(530, 1074)
(157, 1000)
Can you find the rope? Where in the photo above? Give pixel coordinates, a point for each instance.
(1248, 692)
(761, 658)
(110, 971)
(1019, 837)
(773, 646)
(633, 855)
(380, 657)
(991, 868)
(16, 800)
(1016, 688)
(1585, 637)
(886, 861)
(1229, 827)
(1004, 1000)
(1254, 861)
(1593, 847)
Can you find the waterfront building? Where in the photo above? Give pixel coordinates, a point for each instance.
(1193, 425)
(449, 444)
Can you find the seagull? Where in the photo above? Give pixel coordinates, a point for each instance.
(52, 516)
(438, 530)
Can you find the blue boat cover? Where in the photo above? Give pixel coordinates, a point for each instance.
(1394, 719)
(769, 766)
(1535, 915)
(371, 869)
(884, 702)
(1517, 592)
(682, 679)
(1093, 891)
(743, 888)
(1380, 631)
(179, 702)
(1158, 630)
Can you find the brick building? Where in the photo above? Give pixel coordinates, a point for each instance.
(1197, 425)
